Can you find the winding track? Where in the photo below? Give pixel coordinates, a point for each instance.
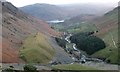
(113, 40)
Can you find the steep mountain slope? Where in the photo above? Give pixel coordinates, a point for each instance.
(45, 11)
(16, 27)
(107, 26)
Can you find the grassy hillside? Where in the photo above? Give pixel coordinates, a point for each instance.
(72, 67)
(111, 51)
(108, 31)
(83, 27)
(36, 49)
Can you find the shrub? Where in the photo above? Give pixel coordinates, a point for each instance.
(30, 68)
(11, 66)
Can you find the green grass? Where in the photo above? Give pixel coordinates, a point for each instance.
(83, 27)
(36, 49)
(110, 52)
(76, 27)
(72, 67)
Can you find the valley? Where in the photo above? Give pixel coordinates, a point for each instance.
(108, 33)
(60, 37)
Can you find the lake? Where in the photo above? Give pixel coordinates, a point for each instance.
(55, 21)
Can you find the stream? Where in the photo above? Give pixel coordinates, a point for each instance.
(76, 54)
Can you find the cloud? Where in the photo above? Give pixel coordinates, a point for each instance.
(3, 0)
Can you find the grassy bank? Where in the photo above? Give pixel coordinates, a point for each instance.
(36, 49)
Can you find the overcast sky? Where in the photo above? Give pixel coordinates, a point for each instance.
(20, 3)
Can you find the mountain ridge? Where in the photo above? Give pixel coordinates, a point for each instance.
(44, 11)
(57, 12)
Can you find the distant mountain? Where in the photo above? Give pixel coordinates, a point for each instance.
(60, 12)
(16, 27)
(45, 11)
(81, 18)
(87, 8)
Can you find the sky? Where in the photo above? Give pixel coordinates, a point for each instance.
(20, 3)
